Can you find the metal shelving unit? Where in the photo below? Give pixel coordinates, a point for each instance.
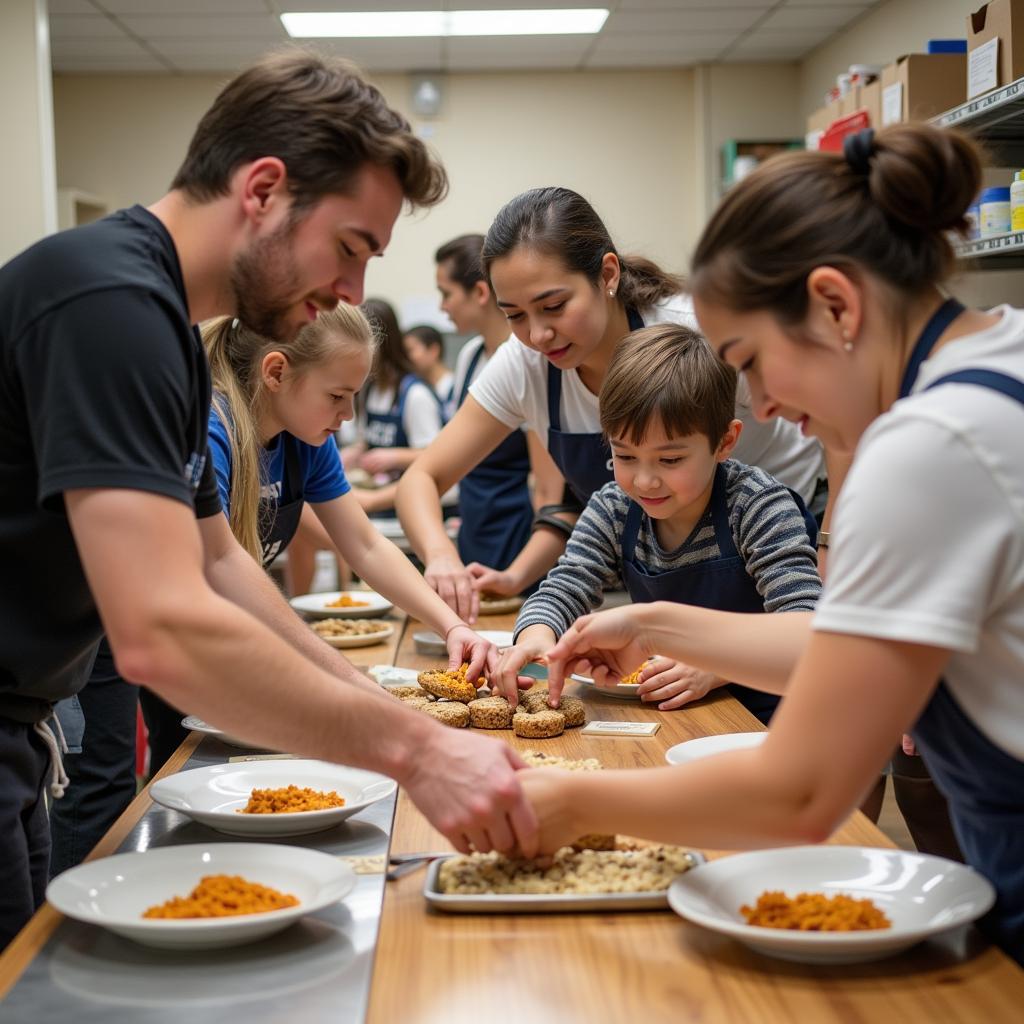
(997, 120)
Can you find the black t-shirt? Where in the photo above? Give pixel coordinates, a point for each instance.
(104, 384)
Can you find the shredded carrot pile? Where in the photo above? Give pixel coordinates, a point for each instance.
(223, 896)
(347, 602)
(633, 677)
(290, 800)
(815, 912)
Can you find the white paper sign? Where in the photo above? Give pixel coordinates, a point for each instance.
(621, 728)
(983, 68)
(892, 103)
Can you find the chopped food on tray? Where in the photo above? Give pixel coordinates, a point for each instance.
(223, 896)
(349, 627)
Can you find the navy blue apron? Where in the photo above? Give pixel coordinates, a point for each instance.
(494, 499)
(983, 784)
(721, 583)
(584, 459)
(280, 519)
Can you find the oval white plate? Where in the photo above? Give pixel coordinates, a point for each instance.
(113, 892)
(213, 795)
(343, 640)
(198, 725)
(433, 643)
(315, 605)
(624, 691)
(921, 895)
(693, 750)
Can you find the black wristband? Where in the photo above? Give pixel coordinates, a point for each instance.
(550, 510)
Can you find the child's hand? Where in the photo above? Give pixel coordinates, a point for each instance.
(674, 683)
(454, 585)
(548, 792)
(466, 646)
(506, 681)
(491, 581)
(379, 460)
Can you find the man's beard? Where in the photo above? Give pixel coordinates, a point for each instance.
(262, 277)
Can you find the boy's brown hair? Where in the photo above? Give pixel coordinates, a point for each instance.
(319, 116)
(668, 374)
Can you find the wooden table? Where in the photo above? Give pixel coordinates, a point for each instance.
(597, 968)
(648, 967)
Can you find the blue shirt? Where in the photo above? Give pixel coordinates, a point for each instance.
(322, 477)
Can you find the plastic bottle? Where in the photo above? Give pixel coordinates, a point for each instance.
(995, 212)
(1017, 202)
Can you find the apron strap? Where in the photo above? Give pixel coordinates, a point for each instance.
(992, 379)
(940, 320)
(59, 780)
(720, 515)
(554, 397)
(630, 531)
(291, 484)
(634, 319)
(470, 370)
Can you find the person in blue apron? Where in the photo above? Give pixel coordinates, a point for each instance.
(820, 276)
(673, 523)
(424, 345)
(570, 298)
(276, 406)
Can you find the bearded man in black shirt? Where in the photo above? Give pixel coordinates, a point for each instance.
(292, 182)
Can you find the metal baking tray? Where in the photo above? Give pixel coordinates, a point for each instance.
(542, 903)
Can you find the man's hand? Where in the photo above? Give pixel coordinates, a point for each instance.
(548, 793)
(674, 683)
(468, 787)
(454, 585)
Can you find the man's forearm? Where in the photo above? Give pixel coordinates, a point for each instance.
(240, 580)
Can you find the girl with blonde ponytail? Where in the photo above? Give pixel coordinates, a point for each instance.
(276, 408)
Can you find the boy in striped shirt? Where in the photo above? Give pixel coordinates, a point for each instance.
(681, 521)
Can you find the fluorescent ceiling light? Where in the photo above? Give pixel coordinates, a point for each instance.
(382, 24)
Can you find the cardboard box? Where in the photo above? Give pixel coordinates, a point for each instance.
(850, 102)
(920, 85)
(871, 101)
(818, 120)
(1000, 24)
(833, 110)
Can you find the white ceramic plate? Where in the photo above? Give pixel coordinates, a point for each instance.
(433, 643)
(315, 605)
(921, 895)
(213, 796)
(113, 892)
(198, 725)
(343, 640)
(693, 750)
(624, 691)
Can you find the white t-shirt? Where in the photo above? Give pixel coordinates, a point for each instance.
(514, 390)
(421, 418)
(928, 532)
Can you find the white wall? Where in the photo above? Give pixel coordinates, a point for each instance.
(626, 140)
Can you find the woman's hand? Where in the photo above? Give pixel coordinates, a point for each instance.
(606, 646)
(507, 681)
(491, 581)
(674, 683)
(454, 585)
(467, 647)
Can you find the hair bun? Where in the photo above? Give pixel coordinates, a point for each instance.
(924, 178)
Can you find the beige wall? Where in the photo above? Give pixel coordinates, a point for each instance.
(626, 140)
(886, 32)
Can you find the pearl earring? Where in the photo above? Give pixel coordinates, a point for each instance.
(611, 293)
(848, 346)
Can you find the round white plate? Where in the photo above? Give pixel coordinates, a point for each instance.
(358, 639)
(921, 896)
(433, 643)
(198, 725)
(113, 892)
(693, 750)
(315, 605)
(213, 796)
(624, 691)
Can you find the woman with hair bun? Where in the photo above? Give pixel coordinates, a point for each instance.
(820, 277)
(570, 298)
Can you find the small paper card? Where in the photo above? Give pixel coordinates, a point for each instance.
(239, 758)
(983, 68)
(892, 103)
(621, 728)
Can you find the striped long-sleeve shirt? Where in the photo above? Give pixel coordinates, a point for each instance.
(767, 527)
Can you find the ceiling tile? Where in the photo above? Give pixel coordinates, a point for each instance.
(96, 49)
(70, 7)
(680, 21)
(110, 66)
(676, 5)
(784, 38)
(598, 61)
(702, 42)
(357, 5)
(128, 7)
(862, 5)
(485, 53)
(830, 18)
(70, 26)
(387, 54)
(195, 27)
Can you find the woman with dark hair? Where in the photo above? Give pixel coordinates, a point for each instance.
(821, 277)
(424, 347)
(570, 298)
